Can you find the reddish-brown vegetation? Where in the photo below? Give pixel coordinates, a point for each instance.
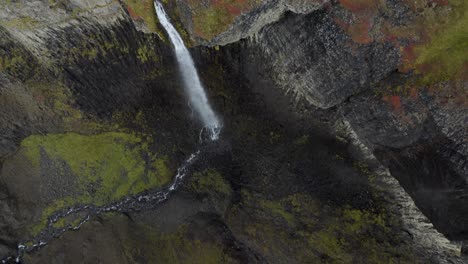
(394, 101)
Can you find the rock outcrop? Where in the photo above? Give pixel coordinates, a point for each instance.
(374, 65)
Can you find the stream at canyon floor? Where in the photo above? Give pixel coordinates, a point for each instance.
(146, 200)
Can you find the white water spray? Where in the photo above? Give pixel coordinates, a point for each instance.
(192, 83)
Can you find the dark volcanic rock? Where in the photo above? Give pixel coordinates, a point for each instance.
(378, 124)
(309, 56)
(436, 188)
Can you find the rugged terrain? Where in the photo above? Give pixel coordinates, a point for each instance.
(344, 137)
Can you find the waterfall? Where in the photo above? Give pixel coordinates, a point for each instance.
(199, 102)
(192, 84)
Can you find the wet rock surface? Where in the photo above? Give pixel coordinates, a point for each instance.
(320, 158)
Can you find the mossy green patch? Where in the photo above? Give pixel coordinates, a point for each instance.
(438, 48)
(446, 54)
(61, 223)
(144, 10)
(277, 208)
(145, 54)
(208, 181)
(112, 160)
(315, 232)
(57, 99)
(209, 21)
(21, 23)
(302, 141)
(107, 166)
(98, 46)
(148, 245)
(95, 45)
(69, 221)
(13, 61)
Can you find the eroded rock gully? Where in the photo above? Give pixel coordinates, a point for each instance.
(335, 148)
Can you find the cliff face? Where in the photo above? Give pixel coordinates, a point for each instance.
(392, 69)
(78, 84)
(388, 53)
(337, 115)
(412, 108)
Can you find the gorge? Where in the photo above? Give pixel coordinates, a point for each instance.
(344, 136)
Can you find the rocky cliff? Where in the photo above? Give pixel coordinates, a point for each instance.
(344, 134)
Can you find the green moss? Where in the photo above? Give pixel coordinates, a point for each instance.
(98, 46)
(145, 54)
(113, 160)
(75, 12)
(446, 54)
(46, 212)
(183, 33)
(302, 141)
(58, 100)
(362, 167)
(143, 9)
(210, 22)
(358, 220)
(327, 243)
(71, 220)
(85, 50)
(212, 19)
(13, 61)
(208, 181)
(61, 223)
(94, 46)
(148, 245)
(437, 48)
(277, 208)
(112, 163)
(162, 168)
(21, 23)
(317, 233)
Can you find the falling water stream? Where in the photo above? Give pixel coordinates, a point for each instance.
(192, 84)
(150, 198)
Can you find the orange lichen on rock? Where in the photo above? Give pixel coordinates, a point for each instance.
(360, 6)
(132, 13)
(408, 56)
(413, 93)
(361, 24)
(359, 31)
(394, 101)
